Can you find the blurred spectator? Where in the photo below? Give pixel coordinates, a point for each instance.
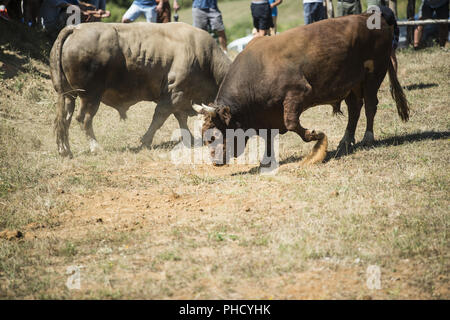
(427, 8)
(206, 13)
(273, 5)
(141, 7)
(389, 15)
(3, 11)
(55, 15)
(31, 12)
(11, 9)
(99, 4)
(163, 10)
(313, 10)
(262, 17)
(346, 7)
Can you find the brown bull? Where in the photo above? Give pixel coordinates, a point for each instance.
(173, 64)
(275, 79)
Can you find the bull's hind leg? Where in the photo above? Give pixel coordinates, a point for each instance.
(162, 111)
(292, 122)
(66, 106)
(354, 104)
(370, 106)
(89, 107)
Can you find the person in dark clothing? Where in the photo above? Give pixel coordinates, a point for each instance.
(427, 8)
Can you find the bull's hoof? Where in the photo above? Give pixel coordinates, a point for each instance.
(65, 152)
(368, 139)
(80, 118)
(147, 146)
(94, 147)
(146, 143)
(344, 148)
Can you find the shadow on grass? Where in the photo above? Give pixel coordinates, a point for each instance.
(391, 141)
(28, 41)
(13, 64)
(167, 145)
(394, 141)
(252, 171)
(421, 85)
(24, 43)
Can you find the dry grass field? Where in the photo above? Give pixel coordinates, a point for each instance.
(140, 227)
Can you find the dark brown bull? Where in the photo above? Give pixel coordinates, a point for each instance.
(275, 79)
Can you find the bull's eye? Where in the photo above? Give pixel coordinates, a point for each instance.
(212, 139)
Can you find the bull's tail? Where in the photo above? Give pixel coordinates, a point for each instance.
(58, 76)
(61, 127)
(60, 84)
(318, 152)
(397, 94)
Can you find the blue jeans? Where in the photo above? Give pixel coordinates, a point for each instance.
(313, 12)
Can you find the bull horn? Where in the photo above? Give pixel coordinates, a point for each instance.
(204, 108)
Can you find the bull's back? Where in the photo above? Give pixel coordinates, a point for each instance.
(330, 54)
(129, 61)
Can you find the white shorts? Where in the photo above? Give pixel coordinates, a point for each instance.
(134, 11)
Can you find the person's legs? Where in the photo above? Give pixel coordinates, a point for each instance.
(425, 12)
(357, 7)
(131, 14)
(307, 13)
(318, 12)
(323, 11)
(263, 16)
(273, 31)
(340, 9)
(255, 16)
(164, 15)
(215, 19)
(199, 18)
(442, 13)
(150, 13)
(222, 39)
(417, 36)
(346, 8)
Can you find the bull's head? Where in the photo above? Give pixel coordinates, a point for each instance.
(217, 119)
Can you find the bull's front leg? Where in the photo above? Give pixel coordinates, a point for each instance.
(319, 151)
(162, 111)
(292, 123)
(370, 106)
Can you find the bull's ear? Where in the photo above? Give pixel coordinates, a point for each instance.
(225, 115)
